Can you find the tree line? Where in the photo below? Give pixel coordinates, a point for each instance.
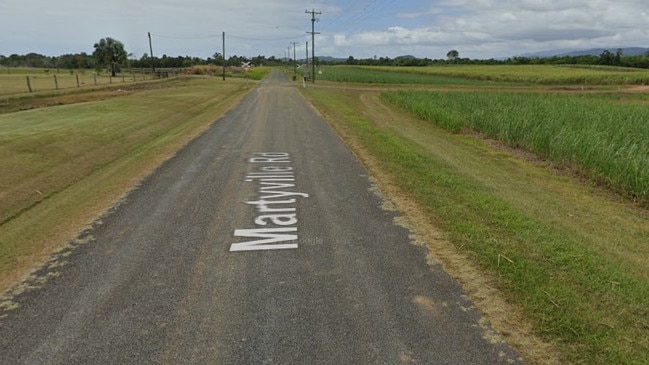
(109, 54)
(606, 58)
(86, 61)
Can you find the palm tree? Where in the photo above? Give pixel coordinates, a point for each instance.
(109, 52)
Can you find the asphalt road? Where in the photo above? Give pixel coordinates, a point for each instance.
(261, 242)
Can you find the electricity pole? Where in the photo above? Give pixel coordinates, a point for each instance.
(223, 56)
(313, 33)
(152, 59)
(294, 60)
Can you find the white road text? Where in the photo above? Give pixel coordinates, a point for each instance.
(276, 217)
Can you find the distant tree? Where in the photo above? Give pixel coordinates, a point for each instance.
(259, 60)
(217, 57)
(109, 53)
(607, 58)
(453, 55)
(618, 56)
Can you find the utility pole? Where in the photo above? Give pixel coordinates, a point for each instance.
(294, 60)
(152, 59)
(313, 33)
(306, 72)
(223, 56)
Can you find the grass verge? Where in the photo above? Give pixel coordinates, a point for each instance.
(573, 261)
(64, 166)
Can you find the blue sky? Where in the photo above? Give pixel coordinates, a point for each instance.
(365, 28)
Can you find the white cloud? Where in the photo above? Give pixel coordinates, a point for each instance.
(490, 28)
(425, 28)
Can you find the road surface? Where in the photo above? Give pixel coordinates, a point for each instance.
(261, 242)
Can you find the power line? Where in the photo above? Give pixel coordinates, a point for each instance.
(187, 37)
(264, 39)
(360, 15)
(208, 36)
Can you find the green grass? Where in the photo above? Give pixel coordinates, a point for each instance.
(26, 71)
(534, 74)
(41, 80)
(576, 263)
(62, 166)
(14, 80)
(606, 140)
(491, 75)
(376, 75)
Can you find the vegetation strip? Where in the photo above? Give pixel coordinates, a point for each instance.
(590, 299)
(572, 75)
(376, 75)
(606, 140)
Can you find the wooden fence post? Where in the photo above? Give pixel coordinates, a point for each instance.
(29, 85)
(77, 75)
(95, 79)
(56, 82)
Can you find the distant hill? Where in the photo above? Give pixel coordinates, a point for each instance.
(338, 59)
(330, 59)
(628, 51)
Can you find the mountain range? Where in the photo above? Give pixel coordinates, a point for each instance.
(628, 51)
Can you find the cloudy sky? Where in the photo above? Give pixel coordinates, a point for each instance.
(363, 28)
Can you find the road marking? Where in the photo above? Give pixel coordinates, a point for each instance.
(269, 238)
(275, 205)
